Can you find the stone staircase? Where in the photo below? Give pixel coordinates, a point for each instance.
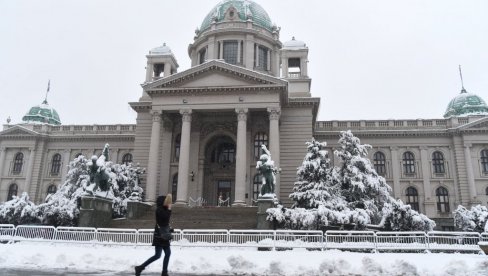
(184, 217)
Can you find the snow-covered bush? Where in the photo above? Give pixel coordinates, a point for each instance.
(351, 194)
(471, 220)
(18, 210)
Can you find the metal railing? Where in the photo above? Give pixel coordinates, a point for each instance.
(434, 241)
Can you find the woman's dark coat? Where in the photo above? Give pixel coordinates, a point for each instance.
(162, 219)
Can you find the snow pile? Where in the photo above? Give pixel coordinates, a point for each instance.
(19, 210)
(471, 220)
(351, 194)
(118, 260)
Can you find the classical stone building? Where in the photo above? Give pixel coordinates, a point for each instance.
(198, 131)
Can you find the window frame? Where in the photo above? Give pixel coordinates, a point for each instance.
(412, 196)
(442, 195)
(438, 162)
(18, 163)
(52, 189)
(125, 158)
(230, 51)
(484, 161)
(13, 189)
(56, 164)
(379, 163)
(260, 138)
(408, 160)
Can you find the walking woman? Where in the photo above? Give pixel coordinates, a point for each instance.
(163, 214)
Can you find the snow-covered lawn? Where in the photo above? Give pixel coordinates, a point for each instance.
(234, 261)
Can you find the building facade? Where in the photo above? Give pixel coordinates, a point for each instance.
(198, 132)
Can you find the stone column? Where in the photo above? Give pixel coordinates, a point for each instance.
(65, 167)
(2, 160)
(30, 168)
(149, 72)
(238, 51)
(184, 162)
(274, 141)
(241, 164)
(284, 66)
(469, 171)
(153, 164)
(115, 156)
(424, 158)
(249, 52)
(167, 69)
(268, 61)
(221, 50)
(395, 167)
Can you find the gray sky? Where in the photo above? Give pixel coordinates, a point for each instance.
(368, 59)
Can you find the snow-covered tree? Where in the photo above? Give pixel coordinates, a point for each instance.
(351, 194)
(471, 220)
(18, 210)
(62, 207)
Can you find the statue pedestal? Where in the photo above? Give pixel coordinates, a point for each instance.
(136, 209)
(265, 202)
(95, 212)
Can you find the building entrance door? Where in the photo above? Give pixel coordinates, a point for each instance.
(224, 192)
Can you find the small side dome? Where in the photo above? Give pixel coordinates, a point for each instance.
(466, 104)
(294, 44)
(42, 114)
(161, 50)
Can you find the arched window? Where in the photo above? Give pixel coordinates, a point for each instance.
(442, 200)
(51, 189)
(56, 164)
(408, 163)
(259, 139)
(12, 191)
(177, 147)
(413, 198)
(202, 55)
(484, 160)
(18, 162)
(379, 161)
(174, 187)
(438, 162)
(256, 188)
(127, 158)
(227, 153)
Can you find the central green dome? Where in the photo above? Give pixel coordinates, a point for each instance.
(466, 104)
(42, 114)
(245, 9)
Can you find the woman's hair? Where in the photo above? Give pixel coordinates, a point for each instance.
(168, 200)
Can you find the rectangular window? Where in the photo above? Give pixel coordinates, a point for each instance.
(203, 55)
(230, 51)
(262, 58)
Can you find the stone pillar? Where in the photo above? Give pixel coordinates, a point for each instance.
(268, 61)
(256, 54)
(184, 162)
(424, 158)
(395, 167)
(284, 66)
(221, 50)
(65, 167)
(276, 62)
(167, 69)
(153, 164)
(469, 171)
(274, 141)
(2, 160)
(241, 158)
(211, 49)
(149, 72)
(238, 51)
(115, 156)
(249, 52)
(30, 168)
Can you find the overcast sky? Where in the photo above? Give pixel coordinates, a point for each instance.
(368, 59)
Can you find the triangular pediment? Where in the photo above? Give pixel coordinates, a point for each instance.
(215, 73)
(19, 131)
(481, 124)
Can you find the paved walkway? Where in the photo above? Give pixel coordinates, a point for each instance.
(19, 272)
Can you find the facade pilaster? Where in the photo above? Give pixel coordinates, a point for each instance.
(241, 160)
(65, 167)
(469, 171)
(274, 141)
(424, 159)
(3, 150)
(30, 168)
(395, 167)
(184, 162)
(153, 164)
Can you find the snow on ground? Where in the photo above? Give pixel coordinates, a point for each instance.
(235, 261)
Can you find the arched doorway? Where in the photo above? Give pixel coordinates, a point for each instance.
(219, 168)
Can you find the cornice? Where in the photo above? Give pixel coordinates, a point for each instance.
(213, 90)
(383, 133)
(141, 106)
